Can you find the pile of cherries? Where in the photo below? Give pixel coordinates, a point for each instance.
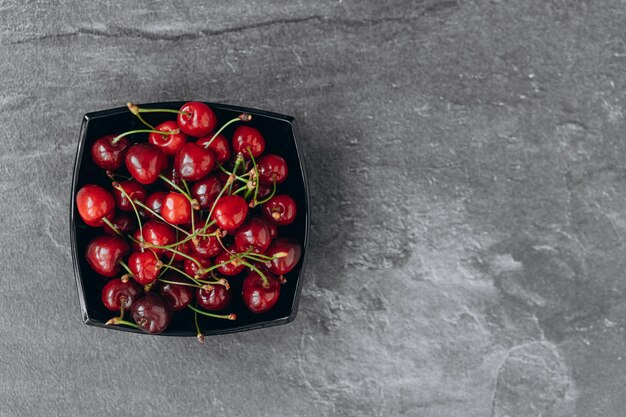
(196, 211)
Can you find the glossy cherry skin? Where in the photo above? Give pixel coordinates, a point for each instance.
(203, 246)
(248, 137)
(192, 268)
(125, 222)
(108, 155)
(134, 246)
(205, 191)
(229, 268)
(280, 266)
(134, 190)
(158, 234)
(193, 162)
(154, 201)
(184, 247)
(172, 174)
(116, 292)
(93, 203)
(215, 299)
(104, 254)
(264, 191)
(230, 212)
(177, 296)
(253, 234)
(219, 146)
(273, 230)
(151, 313)
(176, 209)
(272, 168)
(199, 121)
(169, 144)
(280, 210)
(145, 162)
(145, 266)
(256, 296)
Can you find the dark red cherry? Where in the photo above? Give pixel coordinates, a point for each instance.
(154, 201)
(230, 212)
(172, 174)
(176, 209)
(205, 246)
(205, 191)
(215, 299)
(134, 190)
(158, 234)
(177, 296)
(272, 168)
(198, 119)
(134, 245)
(273, 230)
(151, 313)
(193, 162)
(145, 162)
(108, 155)
(116, 292)
(253, 234)
(257, 296)
(291, 251)
(184, 247)
(145, 266)
(104, 254)
(125, 223)
(93, 203)
(248, 137)
(280, 210)
(230, 268)
(219, 146)
(264, 191)
(192, 268)
(169, 144)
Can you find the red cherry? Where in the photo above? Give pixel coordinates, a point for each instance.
(134, 246)
(248, 137)
(193, 162)
(172, 174)
(199, 119)
(158, 234)
(177, 296)
(145, 162)
(230, 212)
(184, 247)
(151, 313)
(253, 234)
(125, 222)
(104, 254)
(93, 203)
(217, 298)
(154, 202)
(203, 246)
(219, 146)
(264, 191)
(258, 297)
(231, 268)
(272, 168)
(176, 209)
(280, 210)
(108, 155)
(273, 230)
(192, 268)
(205, 191)
(169, 144)
(134, 190)
(145, 266)
(285, 264)
(116, 292)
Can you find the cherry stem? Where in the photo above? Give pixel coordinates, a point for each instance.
(144, 110)
(206, 224)
(132, 132)
(256, 175)
(193, 226)
(179, 283)
(126, 267)
(245, 117)
(269, 197)
(202, 272)
(225, 171)
(200, 336)
(266, 282)
(166, 266)
(135, 110)
(238, 190)
(117, 320)
(183, 273)
(232, 177)
(216, 316)
(177, 188)
(262, 257)
(155, 214)
(112, 226)
(117, 186)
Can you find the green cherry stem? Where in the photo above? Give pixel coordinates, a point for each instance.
(256, 175)
(117, 320)
(132, 132)
(206, 224)
(112, 226)
(200, 336)
(231, 316)
(155, 214)
(183, 273)
(118, 187)
(126, 268)
(257, 270)
(192, 201)
(268, 198)
(186, 284)
(225, 171)
(144, 110)
(135, 110)
(244, 117)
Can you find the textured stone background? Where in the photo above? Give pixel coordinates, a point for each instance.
(468, 181)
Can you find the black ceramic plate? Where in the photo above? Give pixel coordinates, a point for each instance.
(281, 135)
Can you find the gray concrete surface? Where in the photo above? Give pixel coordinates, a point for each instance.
(468, 181)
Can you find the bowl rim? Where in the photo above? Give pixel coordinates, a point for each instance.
(177, 104)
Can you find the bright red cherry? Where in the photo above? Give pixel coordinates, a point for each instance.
(193, 162)
(108, 155)
(197, 120)
(192, 268)
(219, 146)
(117, 293)
(280, 210)
(272, 168)
(205, 246)
(291, 251)
(151, 313)
(125, 223)
(145, 266)
(145, 162)
(158, 234)
(230, 268)
(169, 144)
(154, 201)
(177, 296)
(215, 299)
(230, 212)
(253, 234)
(176, 209)
(248, 137)
(134, 190)
(205, 191)
(104, 254)
(258, 296)
(93, 203)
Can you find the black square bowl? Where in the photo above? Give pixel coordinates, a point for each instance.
(281, 135)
